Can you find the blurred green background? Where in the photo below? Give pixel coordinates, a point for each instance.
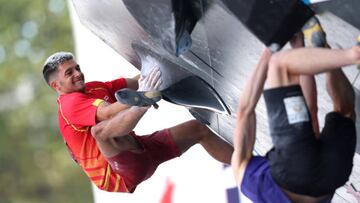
(34, 163)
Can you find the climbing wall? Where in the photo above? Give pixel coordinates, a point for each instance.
(223, 52)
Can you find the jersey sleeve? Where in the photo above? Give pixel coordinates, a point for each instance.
(79, 109)
(115, 85)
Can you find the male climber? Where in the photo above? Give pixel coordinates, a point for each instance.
(304, 165)
(99, 131)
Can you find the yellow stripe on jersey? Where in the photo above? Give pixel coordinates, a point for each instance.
(117, 184)
(97, 102)
(97, 172)
(97, 88)
(107, 177)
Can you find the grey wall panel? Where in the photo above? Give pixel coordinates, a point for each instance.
(348, 10)
(223, 52)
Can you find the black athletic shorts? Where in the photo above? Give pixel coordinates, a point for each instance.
(299, 162)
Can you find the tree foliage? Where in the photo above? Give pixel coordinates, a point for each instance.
(34, 163)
